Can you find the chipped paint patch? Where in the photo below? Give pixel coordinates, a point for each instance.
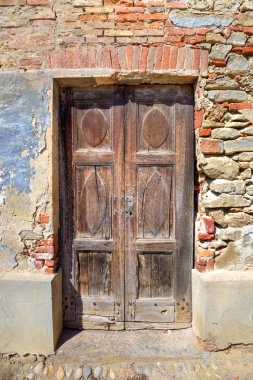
(24, 119)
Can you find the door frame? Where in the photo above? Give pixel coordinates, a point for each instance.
(87, 82)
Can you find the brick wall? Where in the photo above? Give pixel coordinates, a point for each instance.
(211, 38)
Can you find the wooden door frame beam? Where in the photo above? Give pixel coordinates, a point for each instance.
(97, 77)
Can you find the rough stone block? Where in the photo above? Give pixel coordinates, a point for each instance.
(220, 51)
(210, 146)
(237, 63)
(189, 20)
(223, 307)
(221, 167)
(221, 96)
(30, 312)
(211, 200)
(237, 39)
(242, 145)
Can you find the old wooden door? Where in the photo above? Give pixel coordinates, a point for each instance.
(127, 206)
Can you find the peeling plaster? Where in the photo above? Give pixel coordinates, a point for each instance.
(25, 122)
(24, 119)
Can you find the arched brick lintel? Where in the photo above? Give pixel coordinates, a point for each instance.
(130, 58)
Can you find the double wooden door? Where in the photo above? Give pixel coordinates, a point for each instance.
(127, 206)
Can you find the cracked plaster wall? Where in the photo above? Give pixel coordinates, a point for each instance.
(25, 136)
(64, 34)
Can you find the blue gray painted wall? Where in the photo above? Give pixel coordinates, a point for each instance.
(24, 119)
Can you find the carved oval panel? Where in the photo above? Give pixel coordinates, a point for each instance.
(155, 128)
(94, 127)
(155, 204)
(93, 200)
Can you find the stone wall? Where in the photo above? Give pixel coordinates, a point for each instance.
(145, 39)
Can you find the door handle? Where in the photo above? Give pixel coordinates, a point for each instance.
(129, 206)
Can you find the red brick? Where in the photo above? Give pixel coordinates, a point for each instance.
(186, 32)
(205, 132)
(92, 57)
(122, 58)
(207, 224)
(237, 49)
(129, 56)
(158, 57)
(210, 265)
(200, 268)
(239, 106)
(248, 50)
(39, 264)
(8, 3)
(55, 60)
(202, 261)
(50, 242)
(107, 58)
(43, 249)
(124, 17)
(151, 58)
(84, 57)
(244, 29)
(181, 58)
(50, 24)
(194, 40)
(151, 17)
(177, 5)
(205, 236)
(173, 39)
(196, 59)
(189, 59)
(52, 263)
(179, 44)
(129, 9)
(198, 118)
(204, 61)
(143, 58)
(30, 62)
(115, 58)
(43, 16)
(37, 2)
(70, 59)
(218, 63)
(77, 57)
(51, 270)
(173, 57)
(211, 146)
(166, 58)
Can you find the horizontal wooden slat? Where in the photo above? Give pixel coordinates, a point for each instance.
(93, 158)
(155, 159)
(150, 245)
(98, 306)
(154, 310)
(93, 245)
(156, 326)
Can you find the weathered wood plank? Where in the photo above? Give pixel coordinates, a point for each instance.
(156, 326)
(100, 306)
(148, 245)
(154, 310)
(93, 158)
(184, 203)
(93, 244)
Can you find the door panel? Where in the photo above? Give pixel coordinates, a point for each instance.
(95, 150)
(156, 166)
(127, 214)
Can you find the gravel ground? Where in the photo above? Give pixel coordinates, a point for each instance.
(125, 355)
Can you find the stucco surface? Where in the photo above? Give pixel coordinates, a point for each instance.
(223, 307)
(30, 312)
